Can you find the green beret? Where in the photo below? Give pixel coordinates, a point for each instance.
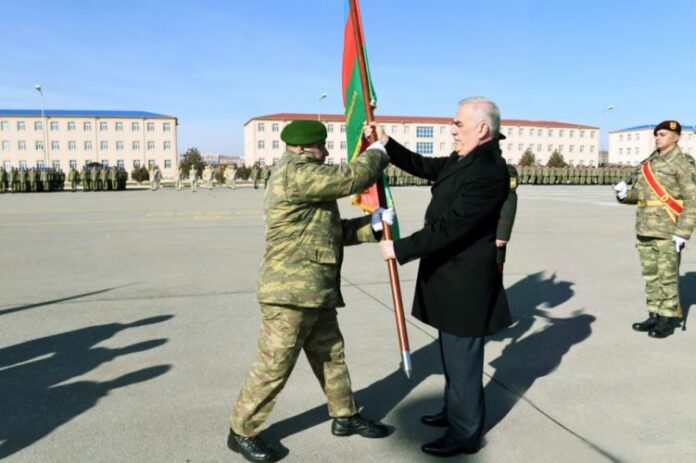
(305, 132)
(672, 126)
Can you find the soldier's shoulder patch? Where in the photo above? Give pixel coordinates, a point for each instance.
(513, 182)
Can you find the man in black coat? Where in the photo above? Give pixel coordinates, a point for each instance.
(458, 281)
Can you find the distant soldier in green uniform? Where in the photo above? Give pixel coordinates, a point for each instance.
(299, 284)
(266, 174)
(254, 175)
(3, 179)
(72, 178)
(193, 176)
(43, 176)
(664, 192)
(84, 178)
(104, 178)
(12, 179)
(93, 179)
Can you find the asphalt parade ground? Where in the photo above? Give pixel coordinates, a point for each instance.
(128, 322)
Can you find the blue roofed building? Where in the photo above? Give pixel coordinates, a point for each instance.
(63, 138)
(631, 145)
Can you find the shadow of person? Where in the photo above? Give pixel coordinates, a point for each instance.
(10, 310)
(687, 294)
(33, 400)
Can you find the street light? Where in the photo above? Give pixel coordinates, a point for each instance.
(605, 110)
(321, 97)
(43, 123)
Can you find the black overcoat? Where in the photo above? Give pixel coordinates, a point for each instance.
(458, 281)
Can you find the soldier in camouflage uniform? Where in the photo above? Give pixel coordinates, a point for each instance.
(299, 284)
(72, 178)
(662, 231)
(3, 180)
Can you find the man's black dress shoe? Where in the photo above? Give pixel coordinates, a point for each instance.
(360, 425)
(664, 328)
(438, 419)
(252, 448)
(445, 447)
(648, 324)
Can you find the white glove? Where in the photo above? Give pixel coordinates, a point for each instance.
(382, 214)
(679, 242)
(621, 190)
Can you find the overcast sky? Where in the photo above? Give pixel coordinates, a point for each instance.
(216, 64)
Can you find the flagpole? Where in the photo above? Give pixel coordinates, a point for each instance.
(387, 234)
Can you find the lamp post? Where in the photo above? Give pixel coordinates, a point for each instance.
(43, 124)
(601, 114)
(321, 97)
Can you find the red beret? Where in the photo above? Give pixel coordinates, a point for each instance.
(672, 126)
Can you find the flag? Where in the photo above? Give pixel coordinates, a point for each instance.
(354, 106)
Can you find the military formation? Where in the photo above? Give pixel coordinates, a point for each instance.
(574, 175)
(31, 180)
(100, 178)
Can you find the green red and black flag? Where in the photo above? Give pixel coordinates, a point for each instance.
(354, 103)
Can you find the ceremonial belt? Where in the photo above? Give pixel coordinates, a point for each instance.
(672, 206)
(650, 203)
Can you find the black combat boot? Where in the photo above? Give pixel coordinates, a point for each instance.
(664, 328)
(648, 324)
(252, 448)
(357, 424)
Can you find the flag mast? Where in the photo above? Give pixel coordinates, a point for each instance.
(387, 234)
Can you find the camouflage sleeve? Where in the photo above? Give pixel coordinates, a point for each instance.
(358, 230)
(326, 182)
(686, 179)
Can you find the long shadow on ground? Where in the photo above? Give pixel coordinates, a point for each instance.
(56, 301)
(33, 400)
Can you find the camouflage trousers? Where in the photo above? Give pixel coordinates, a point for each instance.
(285, 331)
(660, 265)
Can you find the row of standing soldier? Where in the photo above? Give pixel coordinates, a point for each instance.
(31, 180)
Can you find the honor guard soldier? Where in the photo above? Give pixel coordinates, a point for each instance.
(299, 281)
(72, 178)
(664, 191)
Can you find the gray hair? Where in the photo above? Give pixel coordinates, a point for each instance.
(485, 110)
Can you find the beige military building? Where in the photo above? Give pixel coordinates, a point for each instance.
(71, 138)
(632, 145)
(430, 136)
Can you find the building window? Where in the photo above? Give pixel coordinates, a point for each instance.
(103, 126)
(592, 148)
(329, 161)
(40, 164)
(274, 127)
(105, 163)
(135, 126)
(275, 144)
(73, 164)
(20, 125)
(560, 132)
(55, 146)
(167, 163)
(22, 145)
(54, 126)
(509, 148)
(3, 125)
(560, 148)
(120, 163)
(261, 144)
(119, 146)
(582, 134)
(88, 146)
(395, 128)
(582, 148)
(72, 146)
(150, 126)
(592, 133)
(56, 164)
(329, 128)
(621, 137)
(407, 145)
(424, 147)
(520, 131)
(136, 163)
(423, 131)
(539, 133)
(442, 147)
(167, 127)
(119, 127)
(571, 148)
(22, 164)
(620, 151)
(71, 126)
(104, 145)
(571, 133)
(509, 130)
(628, 150)
(150, 163)
(405, 129)
(38, 125)
(260, 127)
(38, 145)
(136, 146)
(329, 145)
(549, 148)
(343, 128)
(167, 145)
(538, 148)
(628, 137)
(151, 145)
(520, 147)
(550, 132)
(87, 126)
(343, 145)
(637, 136)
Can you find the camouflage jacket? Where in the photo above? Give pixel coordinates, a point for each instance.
(676, 173)
(304, 231)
